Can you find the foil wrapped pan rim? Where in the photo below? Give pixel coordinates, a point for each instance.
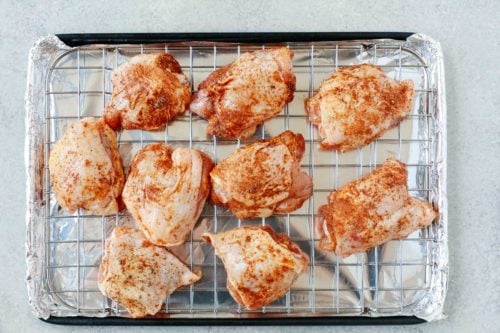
(38, 62)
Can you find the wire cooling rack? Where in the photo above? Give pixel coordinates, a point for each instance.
(390, 280)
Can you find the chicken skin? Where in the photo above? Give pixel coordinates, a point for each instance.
(372, 210)
(86, 168)
(357, 105)
(140, 275)
(238, 97)
(261, 266)
(262, 178)
(166, 190)
(148, 91)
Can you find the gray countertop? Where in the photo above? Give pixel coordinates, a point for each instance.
(468, 31)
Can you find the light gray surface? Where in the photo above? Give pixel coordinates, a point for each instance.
(468, 32)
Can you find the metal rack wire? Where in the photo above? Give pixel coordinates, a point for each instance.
(352, 286)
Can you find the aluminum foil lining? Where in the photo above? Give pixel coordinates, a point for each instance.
(402, 277)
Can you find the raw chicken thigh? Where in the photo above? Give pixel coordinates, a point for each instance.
(140, 275)
(372, 210)
(358, 104)
(262, 178)
(261, 265)
(148, 91)
(166, 190)
(238, 97)
(86, 168)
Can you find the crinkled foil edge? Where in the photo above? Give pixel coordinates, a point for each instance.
(38, 63)
(429, 308)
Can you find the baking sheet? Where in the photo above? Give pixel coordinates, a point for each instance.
(407, 277)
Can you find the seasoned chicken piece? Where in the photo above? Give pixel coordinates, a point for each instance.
(140, 275)
(166, 190)
(262, 178)
(372, 210)
(238, 97)
(358, 104)
(148, 91)
(261, 266)
(86, 168)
